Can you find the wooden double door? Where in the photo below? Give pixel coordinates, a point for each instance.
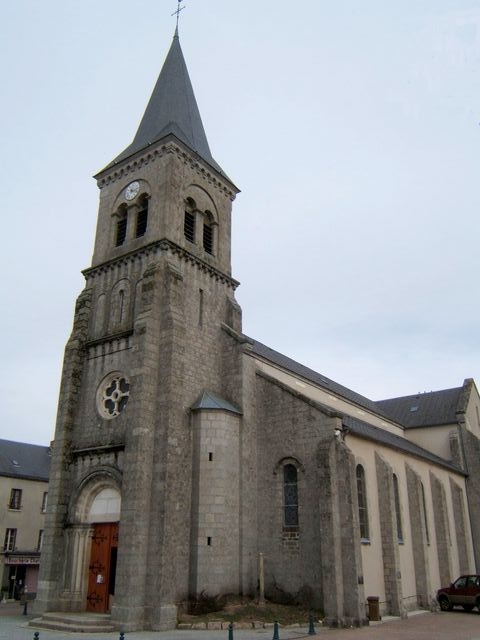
(102, 567)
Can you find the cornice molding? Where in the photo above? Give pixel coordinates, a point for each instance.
(148, 155)
(161, 246)
(109, 338)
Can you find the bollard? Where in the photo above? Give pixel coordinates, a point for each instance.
(311, 627)
(230, 631)
(122, 635)
(36, 635)
(25, 608)
(275, 631)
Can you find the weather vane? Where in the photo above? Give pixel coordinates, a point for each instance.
(177, 12)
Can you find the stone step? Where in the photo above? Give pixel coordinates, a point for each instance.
(74, 622)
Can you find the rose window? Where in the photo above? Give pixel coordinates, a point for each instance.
(113, 394)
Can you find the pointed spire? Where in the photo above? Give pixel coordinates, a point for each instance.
(172, 109)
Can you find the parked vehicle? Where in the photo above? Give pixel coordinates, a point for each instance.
(464, 592)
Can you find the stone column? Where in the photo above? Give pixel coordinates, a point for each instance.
(75, 578)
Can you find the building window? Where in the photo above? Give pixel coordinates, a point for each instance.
(142, 219)
(362, 504)
(44, 501)
(15, 499)
(208, 232)
(290, 497)
(40, 540)
(189, 226)
(121, 229)
(10, 537)
(398, 513)
(424, 507)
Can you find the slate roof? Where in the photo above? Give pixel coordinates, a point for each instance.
(172, 110)
(435, 408)
(27, 461)
(279, 359)
(381, 436)
(424, 409)
(209, 400)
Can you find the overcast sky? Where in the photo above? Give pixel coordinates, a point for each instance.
(352, 129)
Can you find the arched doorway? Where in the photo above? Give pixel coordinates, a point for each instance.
(104, 514)
(92, 541)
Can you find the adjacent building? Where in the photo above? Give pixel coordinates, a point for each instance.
(184, 448)
(24, 471)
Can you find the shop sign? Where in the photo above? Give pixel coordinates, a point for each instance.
(22, 560)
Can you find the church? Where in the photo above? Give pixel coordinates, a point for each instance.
(185, 451)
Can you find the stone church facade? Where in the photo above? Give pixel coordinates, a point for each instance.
(184, 449)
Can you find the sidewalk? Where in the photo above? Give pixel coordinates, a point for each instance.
(454, 625)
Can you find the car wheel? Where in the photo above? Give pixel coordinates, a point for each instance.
(444, 603)
(467, 607)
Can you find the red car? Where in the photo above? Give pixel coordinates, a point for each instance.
(465, 592)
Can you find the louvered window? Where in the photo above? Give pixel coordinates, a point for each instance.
(189, 226)
(121, 231)
(142, 220)
(208, 237)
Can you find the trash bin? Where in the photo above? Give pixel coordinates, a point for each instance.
(373, 608)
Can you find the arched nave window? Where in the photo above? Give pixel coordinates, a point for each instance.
(362, 504)
(290, 497)
(425, 517)
(398, 512)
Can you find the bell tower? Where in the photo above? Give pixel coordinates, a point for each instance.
(150, 379)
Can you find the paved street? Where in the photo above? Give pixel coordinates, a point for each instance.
(456, 625)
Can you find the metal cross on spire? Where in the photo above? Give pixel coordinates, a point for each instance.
(177, 13)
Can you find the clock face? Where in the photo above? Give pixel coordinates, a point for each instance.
(132, 190)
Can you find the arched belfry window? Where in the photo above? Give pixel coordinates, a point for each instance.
(142, 218)
(290, 497)
(121, 227)
(208, 232)
(362, 504)
(189, 220)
